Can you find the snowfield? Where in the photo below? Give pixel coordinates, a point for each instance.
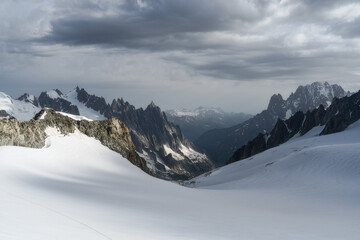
(75, 188)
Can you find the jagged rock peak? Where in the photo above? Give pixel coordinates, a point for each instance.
(56, 100)
(29, 98)
(92, 101)
(152, 105)
(276, 101)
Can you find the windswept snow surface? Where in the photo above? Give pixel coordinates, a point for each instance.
(75, 188)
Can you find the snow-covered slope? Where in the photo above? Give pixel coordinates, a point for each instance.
(320, 165)
(22, 110)
(220, 144)
(75, 188)
(149, 128)
(83, 110)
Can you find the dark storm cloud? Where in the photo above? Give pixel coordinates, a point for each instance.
(191, 27)
(152, 24)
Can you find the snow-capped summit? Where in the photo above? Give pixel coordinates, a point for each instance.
(311, 96)
(22, 110)
(56, 100)
(29, 98)
(54, 94)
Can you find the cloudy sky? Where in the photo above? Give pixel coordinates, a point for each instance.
(232, 54)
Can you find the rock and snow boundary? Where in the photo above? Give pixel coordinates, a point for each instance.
(76, 188)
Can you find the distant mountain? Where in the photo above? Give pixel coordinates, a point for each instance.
(220, 144)
(56, 100)
(23, 108)
(336, 118)
(194, 123)
(168, 153)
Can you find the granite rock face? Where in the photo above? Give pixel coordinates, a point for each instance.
(112, 133)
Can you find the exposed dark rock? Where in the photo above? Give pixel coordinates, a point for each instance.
(253, 147)
(58, 103)
(220, 144)
(29, 99)
(336, 118)
(3, 113)
(341, 114)
(91, 101)
(150, 132)
(276, 106)
(282, 132)
(312, 119)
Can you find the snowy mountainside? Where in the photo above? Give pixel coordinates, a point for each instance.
(72, 97)
(195, 122)
(312, 164)
(306, 189)
(220, 144)
(111, 132)
(150, 130)
(338, 116)
(22, 110)
(56, 100)
(306, 98)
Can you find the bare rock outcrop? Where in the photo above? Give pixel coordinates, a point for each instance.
(112, 133)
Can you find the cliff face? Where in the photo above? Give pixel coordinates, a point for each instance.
(336, 118)
(112, 133)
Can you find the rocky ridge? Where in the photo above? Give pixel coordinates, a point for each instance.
(56, 100)
(221, 144)
(168, 153)
(337, 117)
(112, 133)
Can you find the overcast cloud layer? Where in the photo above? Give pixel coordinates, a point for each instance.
(232, 54)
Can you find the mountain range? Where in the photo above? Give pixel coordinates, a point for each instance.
(168, 154)
(220, 144)
(77, 181)
(194, 123)
(336, 118)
